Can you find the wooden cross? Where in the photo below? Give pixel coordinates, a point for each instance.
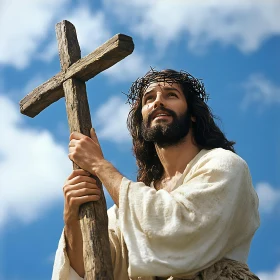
(70, 82)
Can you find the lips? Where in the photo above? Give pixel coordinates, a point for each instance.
(159, 113)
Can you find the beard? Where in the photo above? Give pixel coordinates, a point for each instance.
(165, 134)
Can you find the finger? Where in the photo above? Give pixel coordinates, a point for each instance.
(71, 195)
(78, 172)
(72, 149)
(81, 192)
(78, 201)
(72, 153)
(68, 188)
(73, 143)
(76, 135)
(93, 135)
(82, 179)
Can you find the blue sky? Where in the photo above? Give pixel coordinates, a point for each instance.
(234, 46)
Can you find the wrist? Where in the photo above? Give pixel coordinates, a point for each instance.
(71, 232)
(99, 168)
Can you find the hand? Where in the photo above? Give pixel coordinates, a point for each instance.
(85, 151)
(79, 188)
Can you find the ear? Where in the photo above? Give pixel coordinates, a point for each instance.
(193, 119)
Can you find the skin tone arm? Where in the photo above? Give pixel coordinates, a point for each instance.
(79, 188)
(86, 152)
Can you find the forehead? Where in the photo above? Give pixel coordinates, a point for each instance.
(168, 84)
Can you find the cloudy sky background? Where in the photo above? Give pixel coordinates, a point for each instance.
(233, 45)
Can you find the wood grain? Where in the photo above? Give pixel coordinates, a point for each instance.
(111, 52)
(93, 216)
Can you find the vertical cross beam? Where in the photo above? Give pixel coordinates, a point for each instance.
(93, 216)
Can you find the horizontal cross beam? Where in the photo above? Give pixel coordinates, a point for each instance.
(112, 51)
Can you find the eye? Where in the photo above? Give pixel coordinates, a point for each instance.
(172, 94)
(148, 99)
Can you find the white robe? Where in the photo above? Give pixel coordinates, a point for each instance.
(210, 214)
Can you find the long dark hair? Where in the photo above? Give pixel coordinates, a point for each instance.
(206, 133)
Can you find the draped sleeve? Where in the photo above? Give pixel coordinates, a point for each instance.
(62, 269)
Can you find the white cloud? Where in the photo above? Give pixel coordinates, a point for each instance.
(269, 197)
(23, 27)
(110, 120)
(33, 168)
(129, 69)
(243, 23)
(258, 89)
(91, 29)
(33, 83)
(273, 275)
(50, 51)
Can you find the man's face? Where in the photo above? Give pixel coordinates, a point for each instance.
(166, 120)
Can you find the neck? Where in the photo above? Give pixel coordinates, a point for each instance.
(175, 158)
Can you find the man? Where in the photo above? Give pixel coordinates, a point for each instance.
(192, 212)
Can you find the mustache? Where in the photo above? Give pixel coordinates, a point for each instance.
(161, 109)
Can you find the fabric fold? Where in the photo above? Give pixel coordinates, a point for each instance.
(62, 269)
(212, 215)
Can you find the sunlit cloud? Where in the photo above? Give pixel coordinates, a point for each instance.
(244, 24)
(270, 275)
(110, 120)
(130, 68)
(91, 28)
(33, 167)
(24, 26)
(269, 197)
(261, 91)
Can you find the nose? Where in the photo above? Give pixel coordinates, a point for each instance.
(158, 101)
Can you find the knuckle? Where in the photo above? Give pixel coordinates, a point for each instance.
(77, 172)
(84, 185)
(84, 191)
(72, 201)
(68, 196)
(65, 189)
(85, 139)
(79, 177)
(81, 142)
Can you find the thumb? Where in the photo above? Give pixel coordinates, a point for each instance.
(93, 135)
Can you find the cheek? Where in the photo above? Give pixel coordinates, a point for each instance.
(145, 112)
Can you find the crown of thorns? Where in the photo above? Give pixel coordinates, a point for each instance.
(168, 76)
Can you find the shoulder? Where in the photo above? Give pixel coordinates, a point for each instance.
(218, 164)
(219, 158)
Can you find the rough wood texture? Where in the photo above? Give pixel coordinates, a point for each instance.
(111, 52)
(94, 220)
(93, 216)
(68, 45)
